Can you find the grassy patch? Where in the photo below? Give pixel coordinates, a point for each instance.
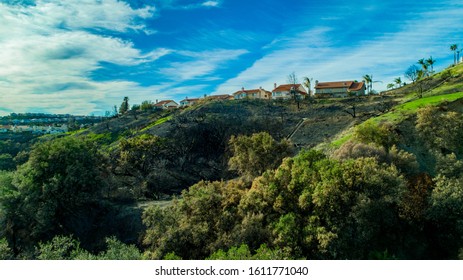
(402, 111)
(102, 138)
(158, 122)
(341, 140)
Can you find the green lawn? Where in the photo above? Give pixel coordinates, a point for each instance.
(402, 111)
(158, 122)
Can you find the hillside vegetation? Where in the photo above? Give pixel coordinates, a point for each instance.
(374, 177)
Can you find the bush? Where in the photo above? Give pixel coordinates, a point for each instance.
(252, 155)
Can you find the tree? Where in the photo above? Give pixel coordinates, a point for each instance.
(454, 48)
(430, 61)
(5, 252)
(62, 183)
(124, 106)
(390, 86)
(424, 67)
(307, 83)
(68, 248)
(293, 80)
(252, 155)
(199, 224)
(351, 105)
(368, 81)
(412, 73)
(146, 105)
(141, 164)
(398, 81)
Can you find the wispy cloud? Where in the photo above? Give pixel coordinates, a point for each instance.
(199, 64)
(187, 4)
(50, 49)
(210, 4)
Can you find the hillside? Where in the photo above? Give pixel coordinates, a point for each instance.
(355, 178)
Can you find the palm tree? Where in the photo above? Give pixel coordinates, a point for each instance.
(307, 82)
(424, 66)
(398, 81)
(454, 48)
(368, 80)
(390, 86)
(430, 61)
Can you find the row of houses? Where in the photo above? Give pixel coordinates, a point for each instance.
(34, 129)
(286, 91)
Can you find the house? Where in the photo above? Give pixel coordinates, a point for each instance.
(188, 102)
(4, 128)
(166, 104)
(286, 91)
(259, 93)
(21, 128)
(339, 89)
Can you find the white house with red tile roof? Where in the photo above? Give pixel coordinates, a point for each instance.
(259, 93)
(188, 102)
(166, 104)
(339, 89)
(285, 91)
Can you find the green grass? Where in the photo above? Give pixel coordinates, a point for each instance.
(404, 110)
(158, 122)
(341, 140)
(399, 113)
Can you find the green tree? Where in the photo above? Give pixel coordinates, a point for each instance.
(124, 106)
(252, 155)
(59, 248)
(390, 86)
(381, 134)
(446, 218)
(146, 105)
(398, 81)
(61, 183)
(321, 208)
(141, 164)
(68, 248)
(5, 252)
(440, 130)
(197, 225)
(368, 81)
(454, 48)
(424, 67)
(430, 61)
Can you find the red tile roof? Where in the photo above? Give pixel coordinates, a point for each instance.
(163, 102)
(288, 87)
(351, 85)
(357, 86)
(247, 91)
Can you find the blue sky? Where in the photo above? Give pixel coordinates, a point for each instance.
(84, 56)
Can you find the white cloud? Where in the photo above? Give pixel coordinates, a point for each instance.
(186, 4)
(199, 64)
(210, 4)
(50, 49)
